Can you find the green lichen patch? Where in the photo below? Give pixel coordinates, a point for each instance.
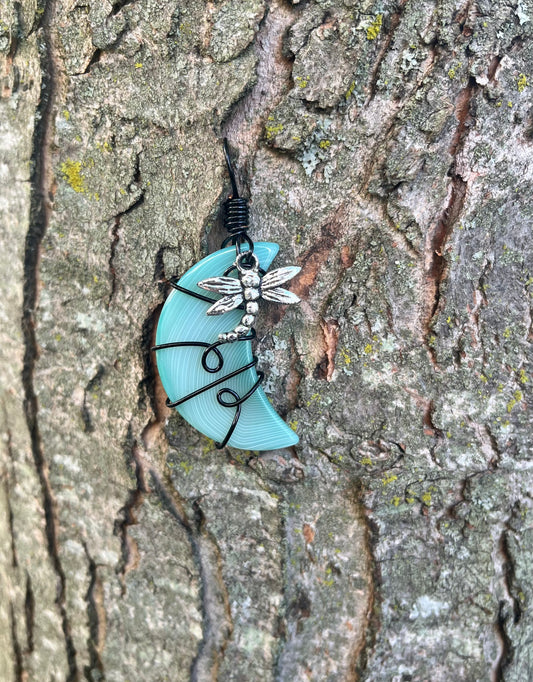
(522, 82)
(72, 174)
(350, 90)
(452, 71)
(374, 29)
(272, 128)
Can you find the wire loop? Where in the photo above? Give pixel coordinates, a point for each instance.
(236, 215)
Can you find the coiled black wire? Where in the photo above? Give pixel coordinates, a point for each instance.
(236, 215)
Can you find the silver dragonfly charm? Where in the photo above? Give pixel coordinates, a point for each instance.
(248, 288)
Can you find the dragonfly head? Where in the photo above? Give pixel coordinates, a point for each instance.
(250, 279)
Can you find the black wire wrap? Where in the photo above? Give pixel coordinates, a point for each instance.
(236, 215)
(213, 368)
(235, 212)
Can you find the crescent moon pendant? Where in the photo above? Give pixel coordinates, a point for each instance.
(185, 332)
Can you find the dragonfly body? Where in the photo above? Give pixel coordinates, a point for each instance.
(248, 289)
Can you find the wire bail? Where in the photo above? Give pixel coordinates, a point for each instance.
(236, 213)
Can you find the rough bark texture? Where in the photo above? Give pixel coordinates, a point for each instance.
(387, 146)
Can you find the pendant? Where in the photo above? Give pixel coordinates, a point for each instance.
(204, 351)
(204, 343)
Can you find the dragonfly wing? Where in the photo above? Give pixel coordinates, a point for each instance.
(279, 276)
(279, 295)
(225, 304)
(222, 285)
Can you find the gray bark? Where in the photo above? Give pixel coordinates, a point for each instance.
(387, 147)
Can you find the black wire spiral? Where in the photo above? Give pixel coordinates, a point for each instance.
(236, 216)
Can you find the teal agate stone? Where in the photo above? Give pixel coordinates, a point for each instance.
(184, 319)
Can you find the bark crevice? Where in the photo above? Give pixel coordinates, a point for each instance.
(127, 514)
(245, 121)
(96, 617)
(41, 193)
(363, 653)
(29, 614)
(19, 673)
(92, 385)
(393, 24)
(217, 622)
(115, 230)
(509, 611)
(436, 265)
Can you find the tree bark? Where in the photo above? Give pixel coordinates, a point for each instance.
(387, 147)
